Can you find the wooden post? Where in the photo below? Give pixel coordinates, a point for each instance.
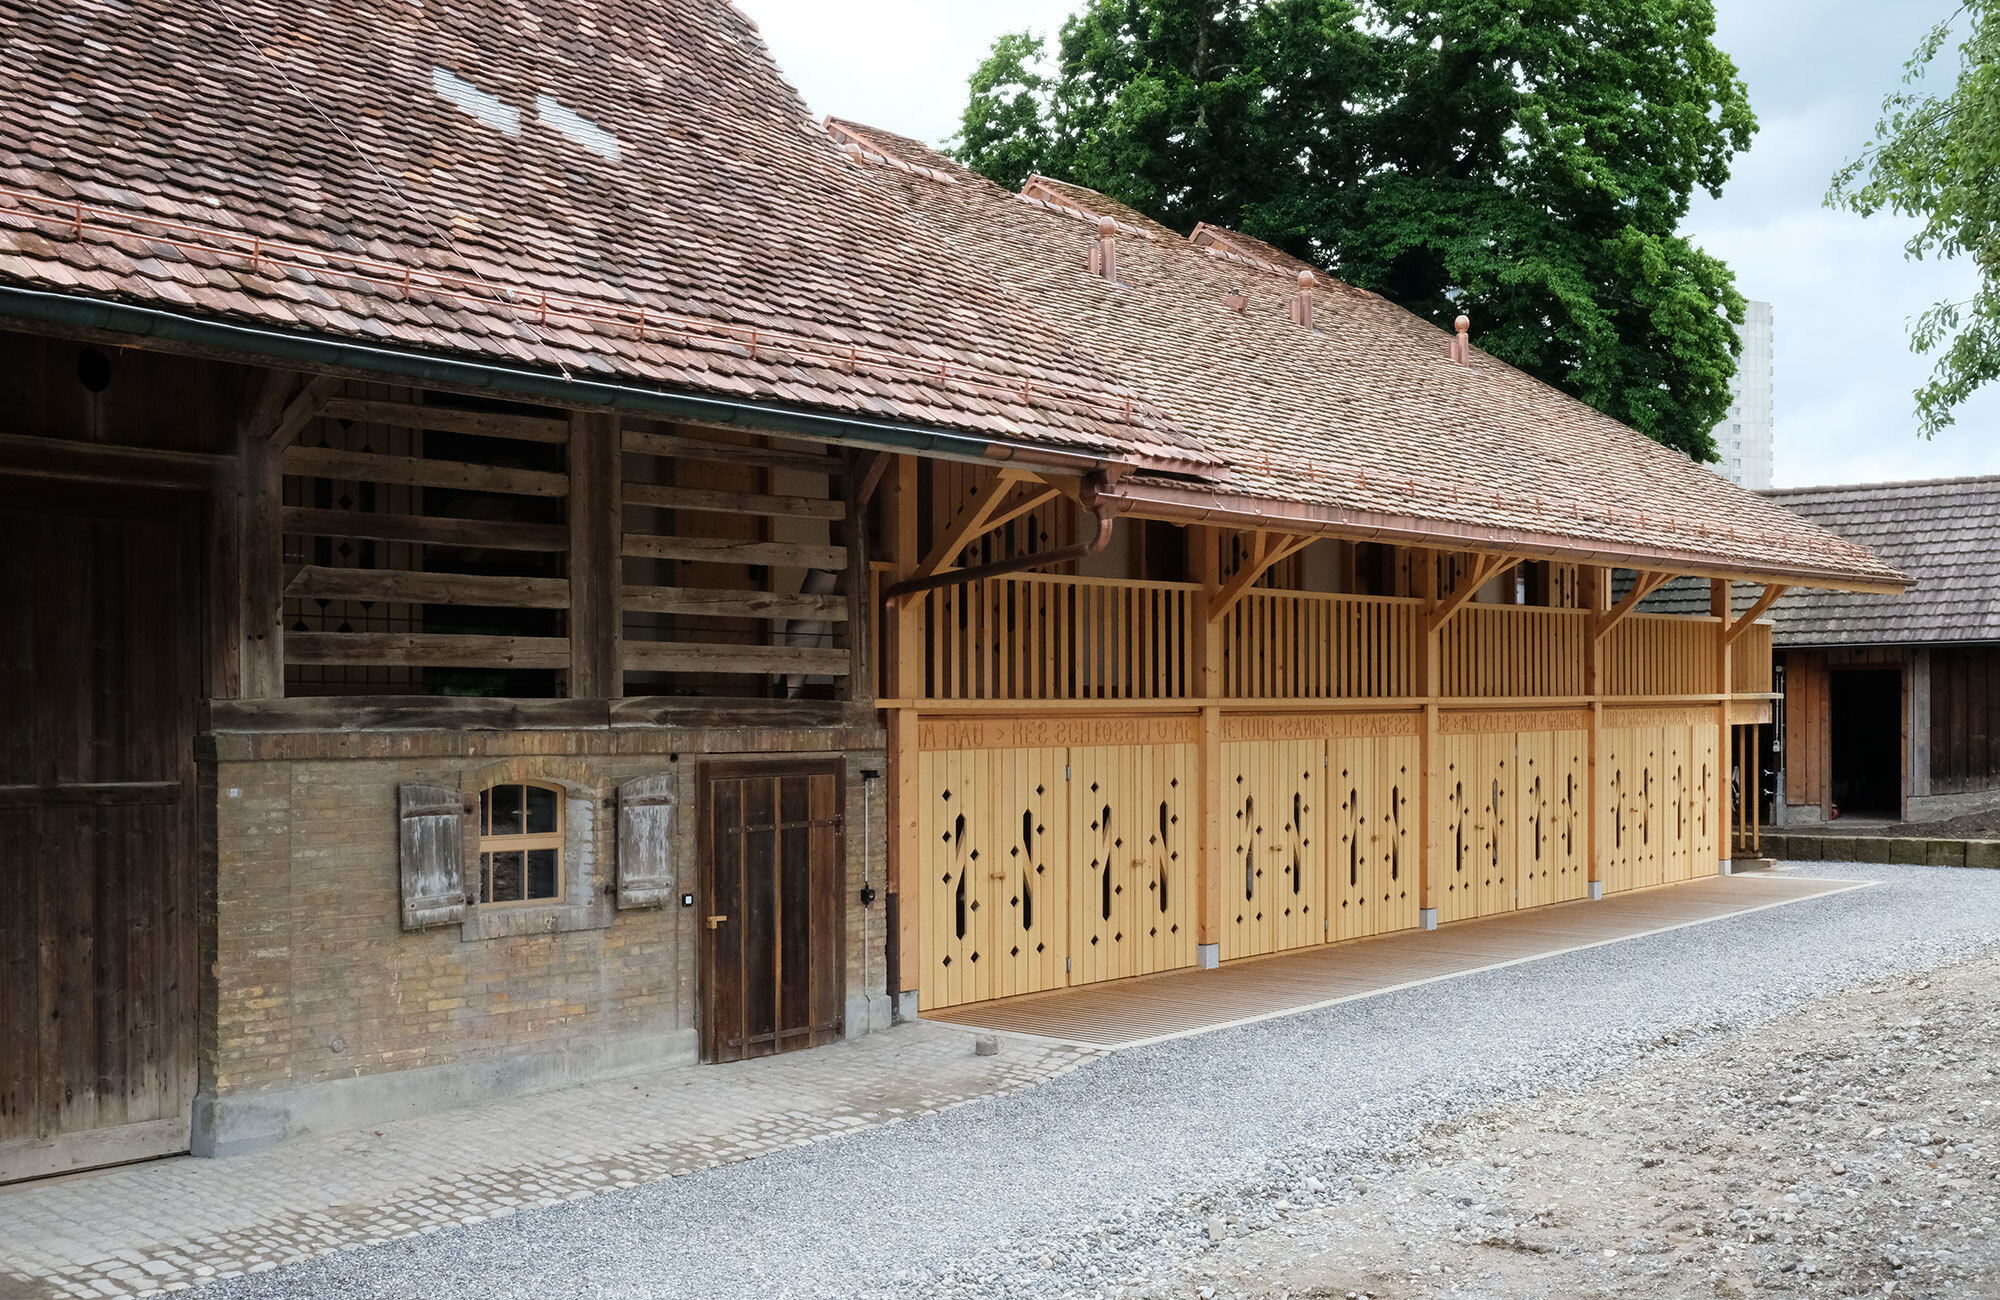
(1718, 607)
(1424, 586)
(903, 648)
(860, 683)
(596, 535)
(261, 662)
(1208, 682)
(1593, 593)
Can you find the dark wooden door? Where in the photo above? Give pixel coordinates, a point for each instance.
(98, 696)
(772, 943)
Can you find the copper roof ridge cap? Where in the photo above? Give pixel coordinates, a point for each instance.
(1079, 214)
(858, 150)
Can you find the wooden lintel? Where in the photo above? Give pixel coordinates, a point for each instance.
(1265, 551)
(1767, 598)
(968, 523)
(1485, 568)
(303, 409)
(1645, 584)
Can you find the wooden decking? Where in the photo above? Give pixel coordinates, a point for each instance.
(1132, 1012)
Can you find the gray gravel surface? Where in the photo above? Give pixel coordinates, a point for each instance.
(1129, 1165)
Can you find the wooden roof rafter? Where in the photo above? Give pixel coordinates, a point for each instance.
(1769, 597)
(1645, 584)
(980, 514)
(1484, 569)
(1266, 549)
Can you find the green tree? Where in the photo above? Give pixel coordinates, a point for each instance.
(1527, 163)
(1937, 158)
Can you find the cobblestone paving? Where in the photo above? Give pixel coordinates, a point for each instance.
(174, 1224)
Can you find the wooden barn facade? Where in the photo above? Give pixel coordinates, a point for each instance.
(603, 587)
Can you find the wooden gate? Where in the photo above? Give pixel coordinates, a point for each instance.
(1373, 835)
(1477, 839)
(1551, 815)
(99, 681)
(1274, 877)
(1132, 861)
(772, 943)
(994, 831)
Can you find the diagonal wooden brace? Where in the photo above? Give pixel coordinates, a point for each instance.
(1484, 569)
(1763, 603)
(1643, 586)
(1265, 551)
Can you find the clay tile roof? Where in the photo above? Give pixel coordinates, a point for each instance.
(623, 188)
(1943, 533)
(1361, 425)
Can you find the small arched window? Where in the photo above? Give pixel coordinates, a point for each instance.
(520, 844)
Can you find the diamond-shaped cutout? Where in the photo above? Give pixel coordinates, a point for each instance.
(1015, 951)
(1038, 947)
(975, 956)
(1093, 941)
(975, 905)
(1015, 901)
(947, 961)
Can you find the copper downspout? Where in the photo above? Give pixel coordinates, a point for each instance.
(1102, 510)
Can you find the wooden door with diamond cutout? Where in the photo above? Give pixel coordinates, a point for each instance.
(1704, 774)
(1373, 836)
(1132, 861)
(1618, 777)
(1274, 875)
(994, 839)
(1477, 845)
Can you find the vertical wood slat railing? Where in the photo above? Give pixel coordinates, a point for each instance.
(1662, 654)
(1034, 636)
(1750, 661)
(1494, 651)
(1317, 646)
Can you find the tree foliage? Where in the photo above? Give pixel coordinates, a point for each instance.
(1937, 158)
(1526, 161)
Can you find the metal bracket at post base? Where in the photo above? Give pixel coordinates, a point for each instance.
(1596, 891)
(1208, 956)
(1427, 918)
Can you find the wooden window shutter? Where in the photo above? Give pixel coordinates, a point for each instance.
(433, 855)
(646, 807)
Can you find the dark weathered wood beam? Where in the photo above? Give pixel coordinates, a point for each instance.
(426, 650)
(673, 445)
(486, 424)
(732, 503)
(98, 462)
(418, 588)
(303, 409)
(432, 531)
(363, 467)
(720, 602)
(709, 550)
(693, 657)
(596, 534)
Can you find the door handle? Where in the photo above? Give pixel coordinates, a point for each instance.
(715, 921)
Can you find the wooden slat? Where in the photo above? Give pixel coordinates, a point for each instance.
(690, 657)
(475, 533)
(596, 622)
(489, 424)
(722, 602)
(429, 588)
(666, 444)
(362, 467)
(427, 650)
(97, 462)
(709, 550)
(732, 503)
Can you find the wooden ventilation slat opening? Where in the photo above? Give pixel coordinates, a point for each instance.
(740, 572)
(426, 547)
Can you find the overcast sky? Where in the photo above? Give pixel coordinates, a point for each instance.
(1817, 69)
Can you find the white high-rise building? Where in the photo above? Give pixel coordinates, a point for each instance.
(1744, 437)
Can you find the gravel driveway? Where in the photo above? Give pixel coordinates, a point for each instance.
(1115, 1172)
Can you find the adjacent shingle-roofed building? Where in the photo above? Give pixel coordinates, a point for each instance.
(575, 196)
(1360, 422)
(1892, 703)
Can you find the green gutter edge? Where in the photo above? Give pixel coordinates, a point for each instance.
(95, 315)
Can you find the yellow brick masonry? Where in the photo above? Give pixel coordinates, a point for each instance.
(313, 978)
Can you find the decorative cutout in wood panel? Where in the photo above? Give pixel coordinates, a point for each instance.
(1274, 887)
(1475, 876)
(1372, 876)
(994, 832)
(1132, 861)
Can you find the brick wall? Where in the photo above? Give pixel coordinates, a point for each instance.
(310, 977)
